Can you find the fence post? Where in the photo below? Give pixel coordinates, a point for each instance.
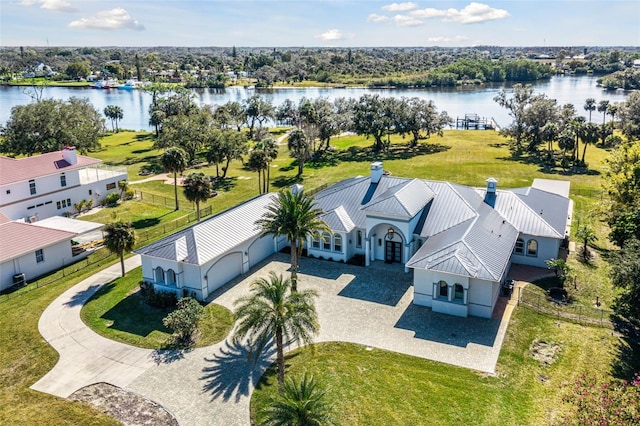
(538, 302)
(579, 313)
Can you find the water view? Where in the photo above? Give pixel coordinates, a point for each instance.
(456, 101)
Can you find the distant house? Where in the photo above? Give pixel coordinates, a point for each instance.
(30, 250)
(459, 241)
(636, 63)
(41, 186)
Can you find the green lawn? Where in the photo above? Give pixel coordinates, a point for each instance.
(142, 215)
(118, 312)
(376, 387)
(133, 150)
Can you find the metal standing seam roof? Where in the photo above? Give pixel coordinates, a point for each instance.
(517, 209)
(338, 220)
(405, 199)
(448, 209)
(21, 169)
(213, 237)
(19, 238)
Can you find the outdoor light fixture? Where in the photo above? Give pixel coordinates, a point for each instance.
(390, 233)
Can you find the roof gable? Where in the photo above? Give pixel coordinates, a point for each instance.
(405, 199)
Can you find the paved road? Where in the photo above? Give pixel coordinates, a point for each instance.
(212, 386)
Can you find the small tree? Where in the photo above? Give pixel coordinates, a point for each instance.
(587, 236)
(302, 402)
(561, 269)
(79, 206)
(184, 320)
(197, 188)
(119, 238)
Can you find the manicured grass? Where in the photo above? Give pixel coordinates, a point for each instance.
(371, 387)
(25, 357)
(118, 312)
(142, 215)
(134, 150)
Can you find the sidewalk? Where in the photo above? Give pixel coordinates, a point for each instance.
(86, 357)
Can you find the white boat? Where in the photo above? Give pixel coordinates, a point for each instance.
(128, 85)
(105, 84)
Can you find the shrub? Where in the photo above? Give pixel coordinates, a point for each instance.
(159, 299)
(111, 199)
(88, 204)
(184, 320)
(128, 194)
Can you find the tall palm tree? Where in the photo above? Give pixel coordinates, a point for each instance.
(603, 105)
(258, 163)
(301, 403)
(296, 217)
(590, 135)
(590, 106)
(119, 238)
(612, 110)
(274, 312)
(174, 160)
(197, 188)
(270, 148)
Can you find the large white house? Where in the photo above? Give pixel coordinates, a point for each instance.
(46, 185)
(459, 241)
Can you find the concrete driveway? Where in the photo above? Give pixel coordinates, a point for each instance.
(368, 306)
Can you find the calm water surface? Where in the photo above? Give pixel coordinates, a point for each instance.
(456, 101)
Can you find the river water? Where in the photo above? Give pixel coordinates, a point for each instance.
(456, 101)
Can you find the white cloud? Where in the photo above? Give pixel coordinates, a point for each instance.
(374, 17)
(59, 5)
(472, 13)
(400, 7)
(114, 19)
(407, 21)
(334, 34)
(476, 12)
(428, 13)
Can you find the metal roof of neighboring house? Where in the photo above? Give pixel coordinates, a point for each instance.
(338, 220)
(405, 199)
(213, 237)
(560, 187)
(18, 239)
(20, 169)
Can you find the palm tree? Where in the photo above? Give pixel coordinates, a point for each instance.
(612, 110)
(258, 163)
(119, 238)
(301, 403)
(273, 311)
(296, 217)
(590, 135)
(587, 236)
(174, 160)
(603, 105)
(590, 105)
(114, 113)
(197, 188)
(300, 148)
(270, 148)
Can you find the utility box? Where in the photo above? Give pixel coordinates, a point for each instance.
(19, 280)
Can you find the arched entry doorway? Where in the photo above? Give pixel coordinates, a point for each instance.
(387, 244)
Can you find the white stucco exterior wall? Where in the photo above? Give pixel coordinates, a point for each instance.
(55, 256)
(547, 249)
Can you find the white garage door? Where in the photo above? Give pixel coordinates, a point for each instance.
(260, 249)
(224, 270)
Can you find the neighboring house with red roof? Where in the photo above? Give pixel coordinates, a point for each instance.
(34, 250)
(47, 185)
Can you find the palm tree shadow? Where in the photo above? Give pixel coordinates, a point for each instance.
(231, 373)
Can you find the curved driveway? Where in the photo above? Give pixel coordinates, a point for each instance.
(368, 306)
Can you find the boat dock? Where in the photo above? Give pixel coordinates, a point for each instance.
(475, 122)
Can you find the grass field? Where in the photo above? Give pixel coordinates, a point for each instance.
(119, 313)
(375, 387)
(141, 215)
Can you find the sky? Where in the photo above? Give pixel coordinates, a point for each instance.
(319, 23)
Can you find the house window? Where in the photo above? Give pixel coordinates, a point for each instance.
(111, 185)
(443, 289)
(39, 256)
(337, 243)
(171, 277)
(32, 187)
(69, 202)
(90, 192)
(159, 275)
(315, 242)
(359, 239)
(458, 292)
(326, 241)
(8, 191)
(519, 248)
(532, 248)
(63, 180)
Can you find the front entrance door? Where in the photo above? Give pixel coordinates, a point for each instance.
(392, 252)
